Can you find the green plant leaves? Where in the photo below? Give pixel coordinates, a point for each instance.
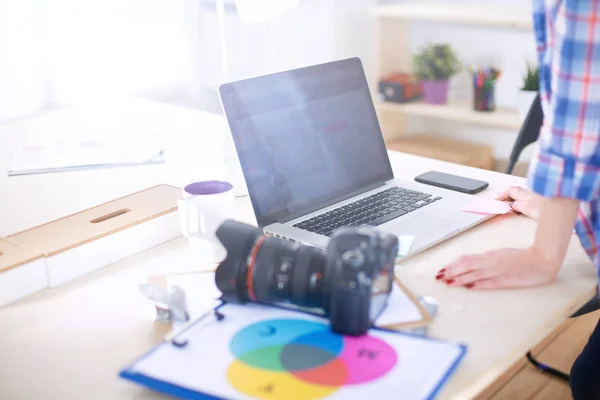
(531, 79)
(436, 62)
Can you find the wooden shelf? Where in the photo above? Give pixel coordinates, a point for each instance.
(445, 149)
(500, 119)
(470, 14)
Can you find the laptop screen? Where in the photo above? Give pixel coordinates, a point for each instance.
(305, 137)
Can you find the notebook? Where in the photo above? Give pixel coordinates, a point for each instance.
(255, 351)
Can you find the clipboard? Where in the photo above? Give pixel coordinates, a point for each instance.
(426, 317)
(260, 352)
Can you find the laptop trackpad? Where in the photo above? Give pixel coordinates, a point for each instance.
(425, 228)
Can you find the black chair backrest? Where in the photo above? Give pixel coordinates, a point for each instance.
(529, 133)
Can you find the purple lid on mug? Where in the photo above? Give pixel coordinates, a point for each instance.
(208, 187)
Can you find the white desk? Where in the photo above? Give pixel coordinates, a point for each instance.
(70, 342)
(190, 138)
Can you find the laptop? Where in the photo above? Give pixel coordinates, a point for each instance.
(314, 159)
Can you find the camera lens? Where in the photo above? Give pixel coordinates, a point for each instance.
(230, 277)
(290, 273)
(269, 270)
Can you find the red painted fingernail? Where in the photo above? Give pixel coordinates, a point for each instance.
(469, 285)
(441, 271)
(439, 276)
(449, 281)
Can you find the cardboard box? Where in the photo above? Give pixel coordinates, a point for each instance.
(444, 149)
(22, 272)
(88, 240)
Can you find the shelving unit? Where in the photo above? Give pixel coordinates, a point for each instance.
(393, 55)
(504, 118)
(465, 14)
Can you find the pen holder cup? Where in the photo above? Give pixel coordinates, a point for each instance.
(483, 98)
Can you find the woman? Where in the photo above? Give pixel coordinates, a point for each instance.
(564, 175)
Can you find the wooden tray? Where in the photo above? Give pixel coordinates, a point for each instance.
(22, 272)
(93, 238)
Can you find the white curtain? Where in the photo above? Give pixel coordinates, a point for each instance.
(57, 53)
(22, 79)
(61, 52)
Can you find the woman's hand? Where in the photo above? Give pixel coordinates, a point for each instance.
(515, 268)
(523, 201)
(500, 269)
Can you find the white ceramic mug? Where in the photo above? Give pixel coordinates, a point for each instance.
(204, 207)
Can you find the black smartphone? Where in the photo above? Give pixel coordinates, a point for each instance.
(452, 182)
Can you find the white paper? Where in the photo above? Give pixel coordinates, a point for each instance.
(264, 352)
(405, 243)
(400, 309)
(89, 153)
(200, 289)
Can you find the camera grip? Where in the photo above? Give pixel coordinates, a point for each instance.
(349, 313)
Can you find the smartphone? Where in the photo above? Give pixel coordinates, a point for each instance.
(452, 182)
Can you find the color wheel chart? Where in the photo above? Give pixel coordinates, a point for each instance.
(283, 359)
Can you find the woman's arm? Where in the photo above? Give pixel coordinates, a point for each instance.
(555, 228)
(510, 268)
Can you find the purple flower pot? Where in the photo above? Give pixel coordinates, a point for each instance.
(435, 92)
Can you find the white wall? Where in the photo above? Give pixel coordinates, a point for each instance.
(355, 33)
(311, 33)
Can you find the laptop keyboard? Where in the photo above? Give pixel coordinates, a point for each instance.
(373, 210)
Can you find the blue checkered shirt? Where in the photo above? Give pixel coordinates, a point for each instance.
(566, 162)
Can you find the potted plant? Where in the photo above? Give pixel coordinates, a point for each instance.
(530, 88)
(434, 65)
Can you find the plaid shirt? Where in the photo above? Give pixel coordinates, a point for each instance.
(566, 162)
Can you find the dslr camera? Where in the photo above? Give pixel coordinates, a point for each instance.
(349, 282)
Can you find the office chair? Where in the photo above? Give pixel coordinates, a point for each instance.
(528, 134)
(530, 130)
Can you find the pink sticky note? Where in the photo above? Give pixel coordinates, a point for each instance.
(484, 206)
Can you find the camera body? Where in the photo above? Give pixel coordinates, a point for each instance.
(360, 262)
(349, 281)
